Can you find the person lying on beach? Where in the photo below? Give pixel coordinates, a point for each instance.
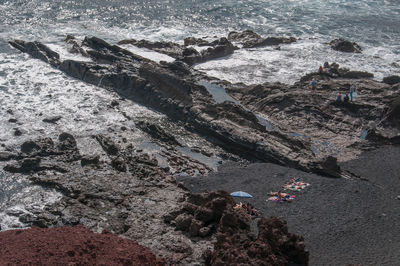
(279, 194)
(238, 205)
(254, 213)
(295, 184)
(281, 197)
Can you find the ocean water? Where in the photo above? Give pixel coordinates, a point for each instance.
(375, 25)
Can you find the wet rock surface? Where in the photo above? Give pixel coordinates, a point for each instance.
(345, 46)
(391, 80)
(216, 49)
(250, 39)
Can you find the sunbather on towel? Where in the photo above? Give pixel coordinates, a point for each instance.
(279, 194)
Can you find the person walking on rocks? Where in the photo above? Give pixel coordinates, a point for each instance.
(313, 85)
(352, 90)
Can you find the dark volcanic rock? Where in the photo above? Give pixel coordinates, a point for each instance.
(178, 67)
(175, 90)
(236, 244)
(391, 80)
(345, 46)
(168, 48)
(17, 132)
(270, 41)
(42, 147)
(244, 36)
(158, 133)
(90, 160)
(37, 50)
(329, 166)
(6, 156)
(108, 145)
(250, 39)
(26, 165)
(357, 75)
(52, 119)
(201, 210)
(67, 145)
(119, 164)
(273, 246)
(196, 41)
(189, 55)
(221, 48)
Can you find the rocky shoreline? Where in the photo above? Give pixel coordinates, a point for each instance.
(109, 180)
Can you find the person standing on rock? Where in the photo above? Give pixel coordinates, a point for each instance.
(313, 85)
(339, 98)
(352, 90)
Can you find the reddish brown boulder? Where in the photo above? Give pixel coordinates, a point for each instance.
(204, 214)
(71, 246)
(273, 246)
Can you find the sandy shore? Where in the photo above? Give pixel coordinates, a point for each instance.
(344, 221)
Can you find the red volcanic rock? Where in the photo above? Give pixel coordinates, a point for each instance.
(273, 246)
(71, 246)
(209, 213)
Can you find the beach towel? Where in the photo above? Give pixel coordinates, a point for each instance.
(295, 185)
(287, 198)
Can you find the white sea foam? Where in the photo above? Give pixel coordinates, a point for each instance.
(149, 54)
(62, 50)
(292, 61)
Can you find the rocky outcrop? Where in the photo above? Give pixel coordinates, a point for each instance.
(196, 41)
(176, 93)
(391, 80)
(345, 46)
(250, 39)
(328, 167)
(318, 119)
(204, 214)
(122, 190)
(169, 48)
(37, 50)
(273, 245)
(74, 47)
(34, 154)
(218, 48)
(175, 90)
(357, 75)
(333, 70)
(158, 133)
(201, 213)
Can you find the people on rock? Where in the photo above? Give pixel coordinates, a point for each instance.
(326, 67)
(339, 98)
(248, 208)
(254, 212)
(346, 98)
(321, 70)
(313, 85)
(352, 90)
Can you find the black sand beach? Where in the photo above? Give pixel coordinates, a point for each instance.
(344, 221)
